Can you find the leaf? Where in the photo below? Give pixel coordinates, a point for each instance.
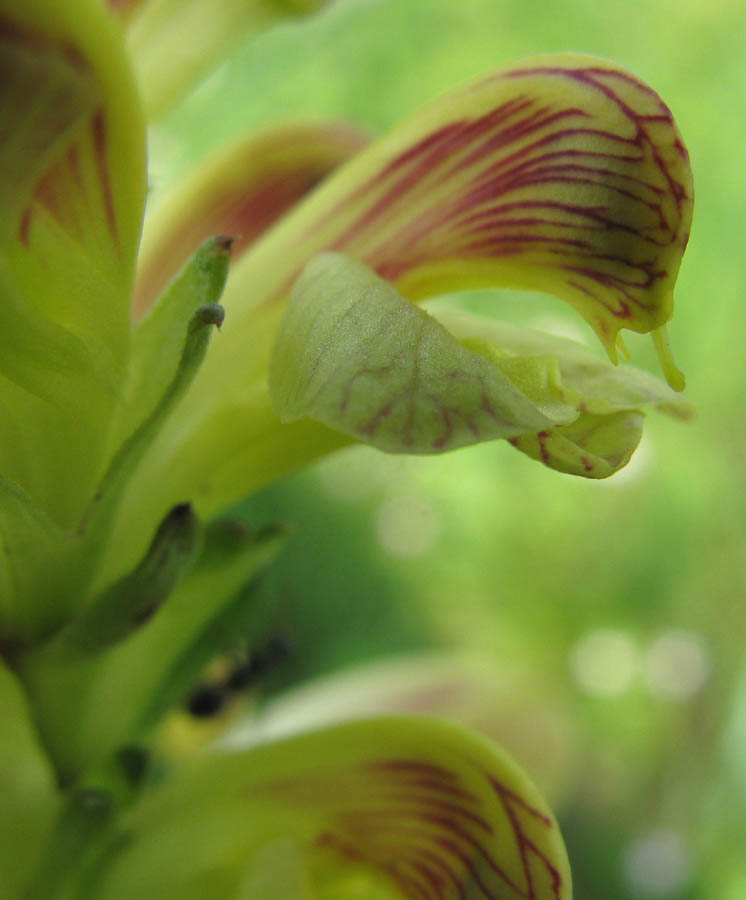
(355, 355)
(240, 192)
(390, 808)
(158, 338)
(172, 44)
(72, 179)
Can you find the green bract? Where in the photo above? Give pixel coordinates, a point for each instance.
(129, 425)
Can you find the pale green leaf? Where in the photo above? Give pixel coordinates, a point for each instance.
(354, 354)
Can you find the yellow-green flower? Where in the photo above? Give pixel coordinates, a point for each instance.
(127, 423)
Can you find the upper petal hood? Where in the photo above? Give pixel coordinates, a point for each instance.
(562, 173)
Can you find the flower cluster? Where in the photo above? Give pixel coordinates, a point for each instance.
(130, 425)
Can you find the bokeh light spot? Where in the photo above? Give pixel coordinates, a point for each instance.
(676, 665)
(407, 525)
(359, 474)
(605, 662)
(657, 864)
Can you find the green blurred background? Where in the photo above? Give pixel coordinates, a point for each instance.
(614, 613)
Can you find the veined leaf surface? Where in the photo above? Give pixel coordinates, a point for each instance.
(356, 355)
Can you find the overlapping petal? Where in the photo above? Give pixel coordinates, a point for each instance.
(240, 192)
(393, 808)
(606, 426)
(73, 172)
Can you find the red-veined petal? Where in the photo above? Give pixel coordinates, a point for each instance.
(411, 808)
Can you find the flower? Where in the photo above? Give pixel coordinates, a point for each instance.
(561, 173)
